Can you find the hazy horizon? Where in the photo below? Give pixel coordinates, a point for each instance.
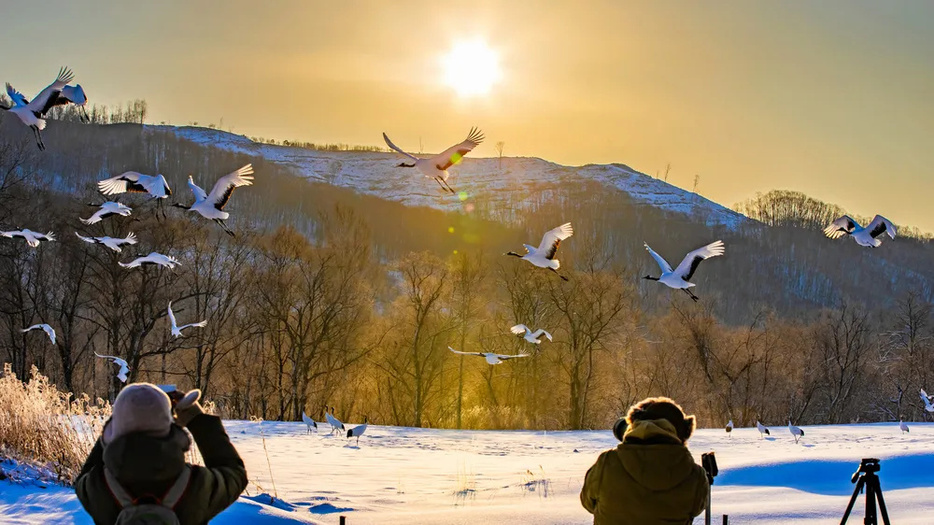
(831, 99)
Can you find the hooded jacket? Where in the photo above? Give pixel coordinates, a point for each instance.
(147, 465)
(649, 479)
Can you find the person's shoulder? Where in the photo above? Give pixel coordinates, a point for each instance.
(697, 471)
(602, 458)
(609, 457)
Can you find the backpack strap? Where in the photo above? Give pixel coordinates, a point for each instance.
(170, 499)
(177, 490)
(119, 493)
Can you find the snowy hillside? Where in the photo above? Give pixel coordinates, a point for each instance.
(406, 475)
(519, 180)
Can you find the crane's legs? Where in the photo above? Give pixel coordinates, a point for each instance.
(558, 274)
(160, 208)
(35, 130)
(444, 186)
(224, 226)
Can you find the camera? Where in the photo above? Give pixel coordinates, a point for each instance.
(172, 392)
(866, 466)
(709, 462)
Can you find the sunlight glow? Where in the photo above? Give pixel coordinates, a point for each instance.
(471, 68)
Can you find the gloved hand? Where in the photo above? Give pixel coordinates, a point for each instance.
(187, 407)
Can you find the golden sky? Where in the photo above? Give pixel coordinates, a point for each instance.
(832, 98)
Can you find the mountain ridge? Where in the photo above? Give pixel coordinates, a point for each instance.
(375, 173)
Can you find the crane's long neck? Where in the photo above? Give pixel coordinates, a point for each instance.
(514, 254)
(650, 278)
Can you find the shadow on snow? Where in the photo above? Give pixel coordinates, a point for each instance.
(832, 477)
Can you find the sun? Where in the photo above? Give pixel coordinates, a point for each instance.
(471, 68)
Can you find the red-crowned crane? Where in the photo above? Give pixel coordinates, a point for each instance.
(544, 255)
(436, 167)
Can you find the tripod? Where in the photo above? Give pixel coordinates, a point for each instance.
(865, 477)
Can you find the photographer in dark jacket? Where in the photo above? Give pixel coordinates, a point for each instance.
(143, 448)
(651, 477)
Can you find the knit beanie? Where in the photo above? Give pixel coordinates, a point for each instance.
(140, 407)
(663, 408)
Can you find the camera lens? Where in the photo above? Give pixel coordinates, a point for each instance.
(619, 428)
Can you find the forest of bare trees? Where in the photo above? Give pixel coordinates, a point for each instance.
(328, 297)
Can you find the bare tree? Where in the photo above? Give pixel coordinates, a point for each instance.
(468, 273)
(907, 356)
(15, 156)
(589, 307)
(528, 302)
(217, 285)
(789, 208)
(70, 298)
(843, 347)
(414, 362)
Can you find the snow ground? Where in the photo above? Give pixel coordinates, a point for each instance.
(409, 475)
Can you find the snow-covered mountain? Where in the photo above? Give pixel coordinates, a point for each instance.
(518, 182)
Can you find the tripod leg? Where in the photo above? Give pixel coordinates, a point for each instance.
(709, 501)
(885, 513)
(870, 517)
(849, 507)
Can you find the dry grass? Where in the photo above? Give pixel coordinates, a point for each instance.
(536, 482)
(41, 424)
(466, 484)
(262, 434)
(490, 418)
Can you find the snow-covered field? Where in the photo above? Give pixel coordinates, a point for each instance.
(407, 475)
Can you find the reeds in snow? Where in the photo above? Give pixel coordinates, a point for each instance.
(39, 423)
